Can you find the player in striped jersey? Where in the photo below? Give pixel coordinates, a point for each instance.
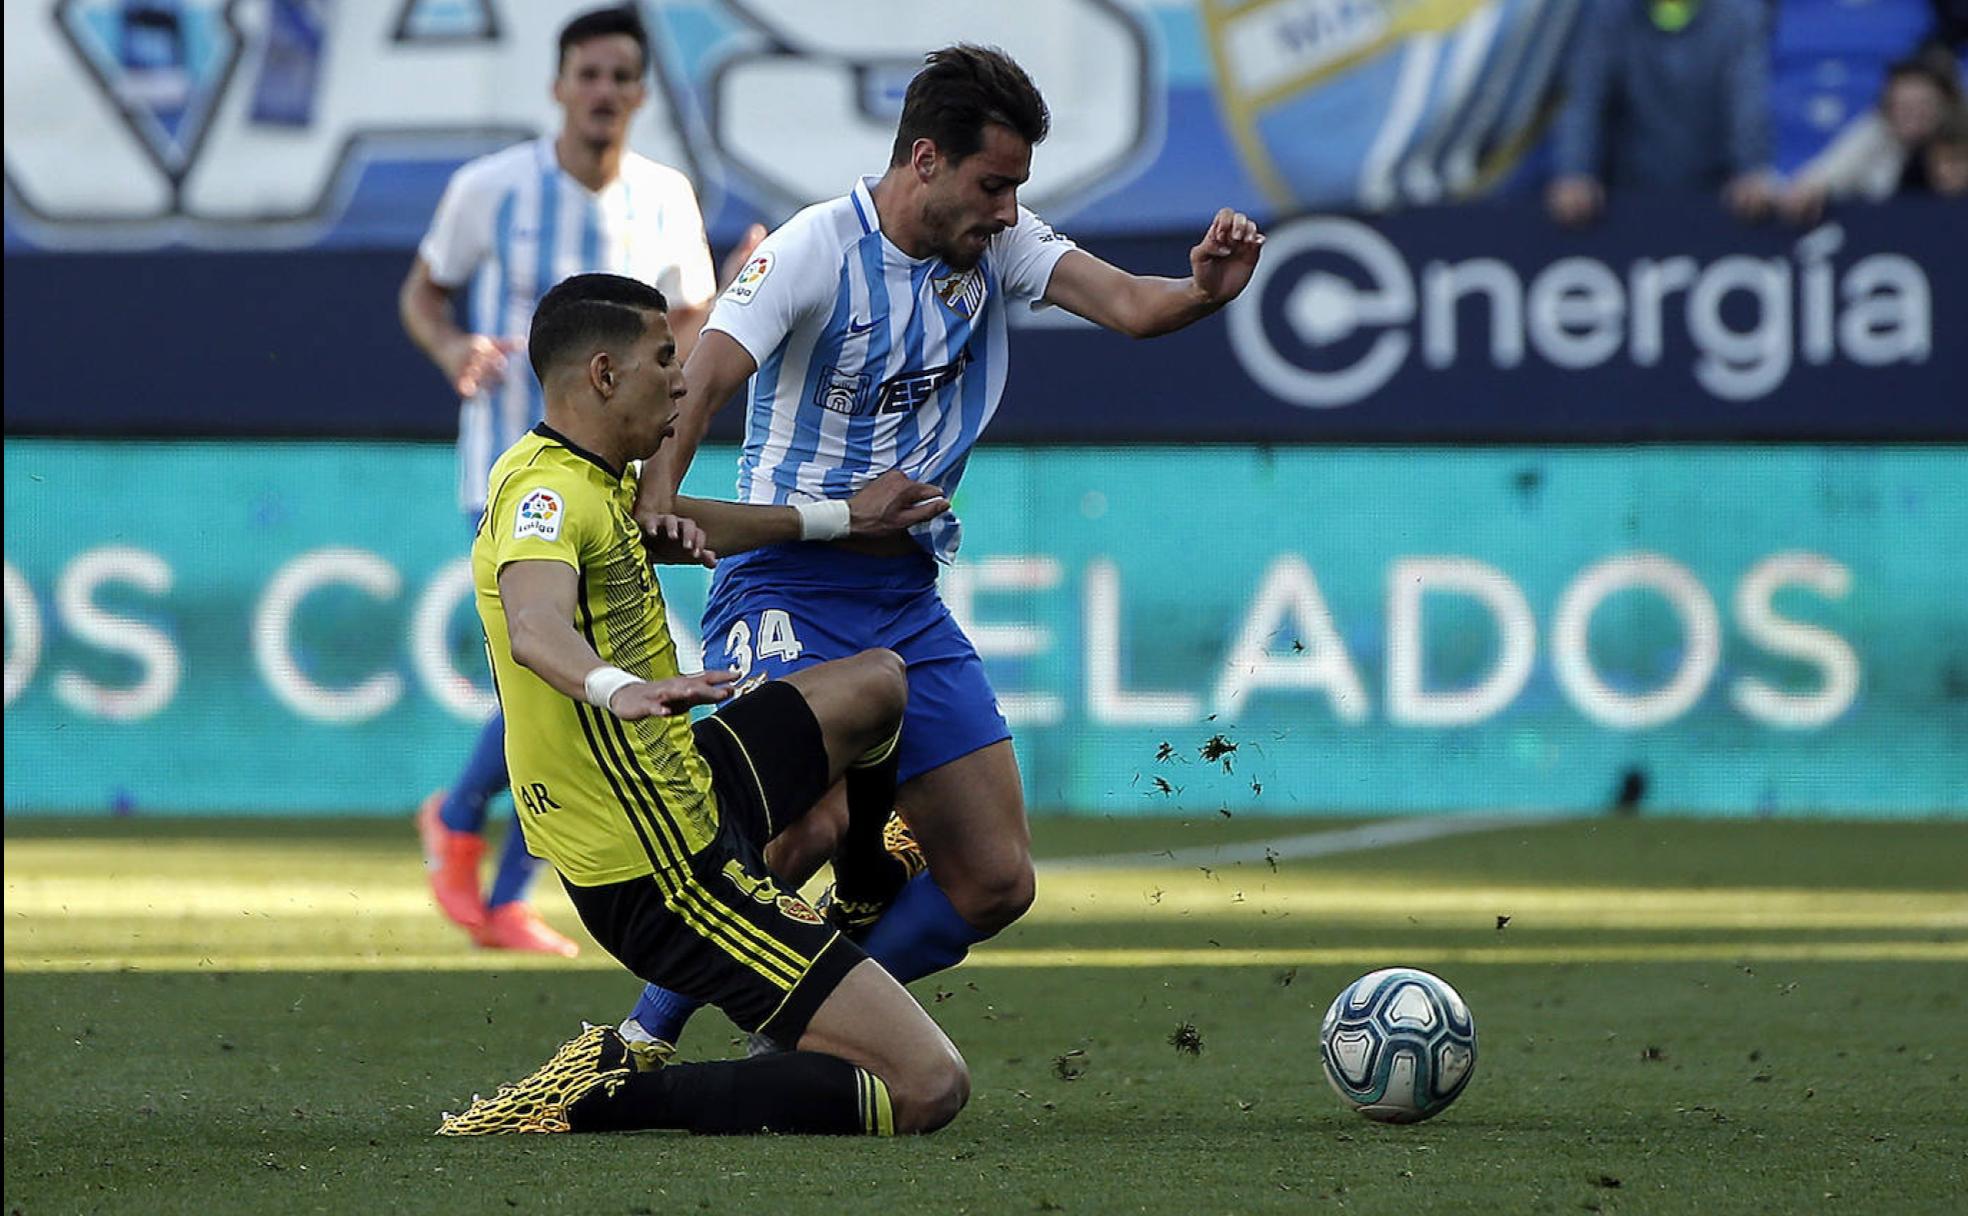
(871, 331)
(509, 227)
(656, 826)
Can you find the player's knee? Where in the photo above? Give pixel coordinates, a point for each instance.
(930, 1095)
(995, 898)
(804, 845)
(879, 689)
(886, 679)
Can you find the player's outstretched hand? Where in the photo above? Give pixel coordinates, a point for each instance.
(474, 360)
(672, 540)
(892, 503)
(666, 698)
(1223, 261)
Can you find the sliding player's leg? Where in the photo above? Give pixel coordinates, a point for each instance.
(796, 854)
(868, 1060)
(873, 1022)
(963, 798)
(656, 1023)
(853, 700)
(789, 611)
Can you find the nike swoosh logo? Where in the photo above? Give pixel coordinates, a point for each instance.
(859, 327)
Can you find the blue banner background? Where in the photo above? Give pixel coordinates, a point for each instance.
(1108, 588)
(1669, 321)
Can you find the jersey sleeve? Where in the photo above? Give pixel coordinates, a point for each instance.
(788, 279)
(1026, 254)
(460, 232)
(687, 279)
(547, 515)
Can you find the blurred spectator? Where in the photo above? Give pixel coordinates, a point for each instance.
(1951, 23)
(1946, 156)
(1879, 154)
(1665, 95)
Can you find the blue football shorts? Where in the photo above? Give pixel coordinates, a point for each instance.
(784, 607)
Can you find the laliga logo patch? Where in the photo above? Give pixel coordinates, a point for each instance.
(746, 285)
(539, 515)
(962, 292)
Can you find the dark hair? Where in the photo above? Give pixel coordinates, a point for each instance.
(960, 90)
(1937, 70)
(602, 23)
(587, 311)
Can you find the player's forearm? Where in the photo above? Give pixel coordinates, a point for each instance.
(693, 421)
(425, 310)
(1156, 305)
(686, 323)
(717, 369)
(547, 645)
(662, 474)
(735, 527)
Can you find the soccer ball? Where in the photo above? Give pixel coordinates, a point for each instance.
(1398, 1045)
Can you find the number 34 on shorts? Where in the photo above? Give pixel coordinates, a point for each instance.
(766, 637)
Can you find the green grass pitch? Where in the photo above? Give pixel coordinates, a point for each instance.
(1700, 1017)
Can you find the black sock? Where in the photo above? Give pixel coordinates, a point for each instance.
(795, 1093)
(864, 870)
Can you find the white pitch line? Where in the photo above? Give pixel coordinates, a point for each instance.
(1381, 835)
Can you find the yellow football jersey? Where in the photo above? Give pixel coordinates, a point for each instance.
(602, 799)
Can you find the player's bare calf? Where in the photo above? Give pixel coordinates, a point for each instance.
(872, 1021)
(969, 817)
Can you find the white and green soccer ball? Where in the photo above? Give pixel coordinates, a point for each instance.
(1398, 1045)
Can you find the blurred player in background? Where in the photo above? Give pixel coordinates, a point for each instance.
(509, 227)
(658, 827)
(872, 330)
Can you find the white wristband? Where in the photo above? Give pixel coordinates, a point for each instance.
(827, 520)
(604, 682)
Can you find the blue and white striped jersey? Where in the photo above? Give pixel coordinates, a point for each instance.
(869, 359)
(513, 224)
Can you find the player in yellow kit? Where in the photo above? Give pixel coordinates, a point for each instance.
(658, 827)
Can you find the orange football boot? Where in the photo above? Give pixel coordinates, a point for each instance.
(516, 926)
(451, 861)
